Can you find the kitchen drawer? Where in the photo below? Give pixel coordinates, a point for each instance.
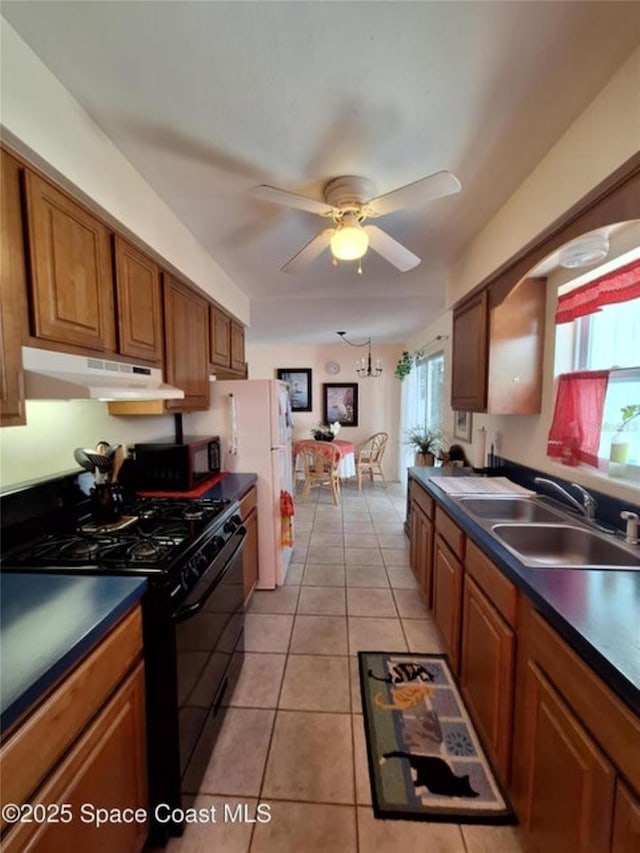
(450, 532)
(502, 594)
(29, 754)
(424, 501)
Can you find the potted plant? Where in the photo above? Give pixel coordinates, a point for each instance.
(325, 432)
(620, 444)
(427, 443)
(405, 363)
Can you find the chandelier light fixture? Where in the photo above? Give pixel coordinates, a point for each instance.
(364, 366)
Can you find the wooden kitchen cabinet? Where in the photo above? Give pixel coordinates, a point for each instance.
(497, 350)
(226, 344)
(219, 337)
(447, 598)
(85, 743)
(71, 276)
(572, 736)
(487, 673)
(469, 355)
(186, 346)
(569, 787)
(105, 769)
(139, 304)
(13, 295)
(421, 512)
(626, 821)
(250, 564)
(237, 347)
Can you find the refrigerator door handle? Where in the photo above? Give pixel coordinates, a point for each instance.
(280, 447)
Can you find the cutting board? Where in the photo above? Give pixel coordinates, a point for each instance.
(479, 486)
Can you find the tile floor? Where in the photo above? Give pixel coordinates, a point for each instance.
(293, 737)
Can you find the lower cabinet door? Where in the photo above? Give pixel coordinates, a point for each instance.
(447, 599)
(487, 672)
(569, 784)
(626, 822)
(106, 769)
(250, 555)
(421, 551)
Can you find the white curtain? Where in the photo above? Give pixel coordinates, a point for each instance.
(409, 417)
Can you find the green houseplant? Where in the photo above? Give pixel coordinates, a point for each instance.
(405, 363)
(620, 444)
(427, 443)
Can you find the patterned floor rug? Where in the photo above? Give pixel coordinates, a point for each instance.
(425, 759)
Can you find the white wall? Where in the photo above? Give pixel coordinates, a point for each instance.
(47, 125)
(603, 137)
(378, 399)
(44, 448)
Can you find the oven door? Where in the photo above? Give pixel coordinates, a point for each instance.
(209, 650)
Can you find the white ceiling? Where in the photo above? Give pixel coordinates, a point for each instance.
(208, 99)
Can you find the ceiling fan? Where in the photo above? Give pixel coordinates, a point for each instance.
(348, 202)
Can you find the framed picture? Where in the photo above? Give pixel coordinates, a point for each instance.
(340, 403)
(299, 379)
(462, 425)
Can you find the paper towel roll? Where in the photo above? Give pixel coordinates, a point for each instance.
(479, 448)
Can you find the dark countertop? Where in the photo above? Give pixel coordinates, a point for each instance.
(596, 611)
(232, 487)
(47, 623)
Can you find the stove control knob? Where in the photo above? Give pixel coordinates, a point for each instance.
(234, 522)
(197, 565)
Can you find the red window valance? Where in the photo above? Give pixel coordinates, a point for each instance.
(575, 430)
(620, 285)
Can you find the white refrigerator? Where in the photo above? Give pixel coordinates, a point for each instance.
(254, 421)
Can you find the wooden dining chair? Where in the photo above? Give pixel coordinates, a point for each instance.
(320, 460)
(369, 457)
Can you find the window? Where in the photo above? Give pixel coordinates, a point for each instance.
(607, 340)
(430, 391)
(422, 403)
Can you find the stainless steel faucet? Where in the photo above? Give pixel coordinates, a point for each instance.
(588, 505)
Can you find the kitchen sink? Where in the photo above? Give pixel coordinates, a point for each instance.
(508, 509)
(564, 546)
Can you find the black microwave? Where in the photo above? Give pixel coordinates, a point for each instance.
(176, 466)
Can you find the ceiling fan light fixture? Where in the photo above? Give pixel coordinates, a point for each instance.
(349, 241)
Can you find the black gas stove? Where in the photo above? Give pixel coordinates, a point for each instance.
(191, 552)
(154, 535)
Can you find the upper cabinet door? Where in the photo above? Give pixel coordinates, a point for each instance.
(237, 346)
(72, 283)
(186, 346)
(13, 296)
(220, 330)
(139, 304)
(470, 355)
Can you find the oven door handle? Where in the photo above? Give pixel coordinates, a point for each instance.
(187, 610)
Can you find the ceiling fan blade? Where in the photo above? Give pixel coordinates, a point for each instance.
(434, 186)
(301, 202)
(310, 252)
(390, 249)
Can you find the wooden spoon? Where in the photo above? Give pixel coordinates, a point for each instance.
(117, 460)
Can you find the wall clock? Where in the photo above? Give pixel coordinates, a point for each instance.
(332, 367)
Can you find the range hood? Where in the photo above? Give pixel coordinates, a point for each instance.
(50, 375)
